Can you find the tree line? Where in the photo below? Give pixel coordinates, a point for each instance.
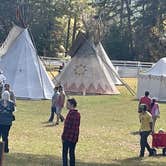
(128, 29)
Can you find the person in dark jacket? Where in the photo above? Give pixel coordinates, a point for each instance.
(70, 132)
(6, 117)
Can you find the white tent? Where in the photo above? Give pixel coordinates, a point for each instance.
(86, 73)
(154, 81)
(22, 67)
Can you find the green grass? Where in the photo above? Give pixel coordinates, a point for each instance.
(107, 133)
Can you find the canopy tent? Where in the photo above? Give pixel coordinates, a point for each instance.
(22, 67)
(154, 81)
(86, 73)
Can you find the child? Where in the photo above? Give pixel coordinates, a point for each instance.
(155, 112)
(60, 104)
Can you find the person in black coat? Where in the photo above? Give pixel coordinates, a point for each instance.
(6, 117)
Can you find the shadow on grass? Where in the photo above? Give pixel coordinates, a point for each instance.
(50, 125)
(135, 133)
(22, 159)
(137, 161)
(134, 99)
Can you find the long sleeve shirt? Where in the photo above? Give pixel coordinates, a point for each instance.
(61, 100)
(71, 126)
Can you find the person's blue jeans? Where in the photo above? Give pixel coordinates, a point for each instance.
(144, 142)
(4, 133)
(53, 111)
(68, 147)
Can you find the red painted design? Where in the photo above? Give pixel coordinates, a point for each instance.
(91, 89)
(81, 87)
(100, 89)
(72, 88)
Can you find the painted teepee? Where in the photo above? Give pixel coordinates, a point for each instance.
(86, 73)
(108, 64)
(22, 67)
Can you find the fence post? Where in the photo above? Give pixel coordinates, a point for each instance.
(1, 153)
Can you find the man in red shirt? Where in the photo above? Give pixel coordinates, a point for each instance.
(146, 100)
(70, 132)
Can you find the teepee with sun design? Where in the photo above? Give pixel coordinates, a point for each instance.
(87, 73)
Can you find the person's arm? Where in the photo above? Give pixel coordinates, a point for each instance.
(67, 127)
(139, 105)
(12, 97)
(140, 118)
(12, 107)
(63, 101)
(140, 101)
(158, 108)
(151, 123)
(151, 130)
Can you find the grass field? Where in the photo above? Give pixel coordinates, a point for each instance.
(107, 134)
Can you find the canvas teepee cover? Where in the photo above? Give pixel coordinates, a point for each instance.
(22, 67)
(108, 64)
(154, 81)
(86, 73)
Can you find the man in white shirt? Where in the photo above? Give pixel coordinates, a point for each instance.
(2, 82)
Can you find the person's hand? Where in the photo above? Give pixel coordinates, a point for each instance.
(151, 132)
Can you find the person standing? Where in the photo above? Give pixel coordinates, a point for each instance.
(2, 82)
(146, 100)
(12, 96)
(60, 104)
(70, 132)
(1, 89)
(145, 129)
(6, 117)
(54, 104)
(155, 112)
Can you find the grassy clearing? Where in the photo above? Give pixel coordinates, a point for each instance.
(107, 136)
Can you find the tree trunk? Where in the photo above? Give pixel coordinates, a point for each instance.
(74, 28)
(68, 35)
(130, 28)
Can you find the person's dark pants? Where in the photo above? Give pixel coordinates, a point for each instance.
(53, 111)
(4, 132)
(68, 147)
(144, 143)
(1, 90)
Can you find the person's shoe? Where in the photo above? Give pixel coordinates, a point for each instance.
(62, 118)
(141, 155)
(47, 122)
(152, 152)
(57, 123)
(6, 150)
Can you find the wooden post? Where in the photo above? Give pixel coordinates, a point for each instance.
(1, 153)
(68, 35)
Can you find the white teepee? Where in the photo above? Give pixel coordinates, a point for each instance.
(86, 73)
(108, 64)
(22, 67)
